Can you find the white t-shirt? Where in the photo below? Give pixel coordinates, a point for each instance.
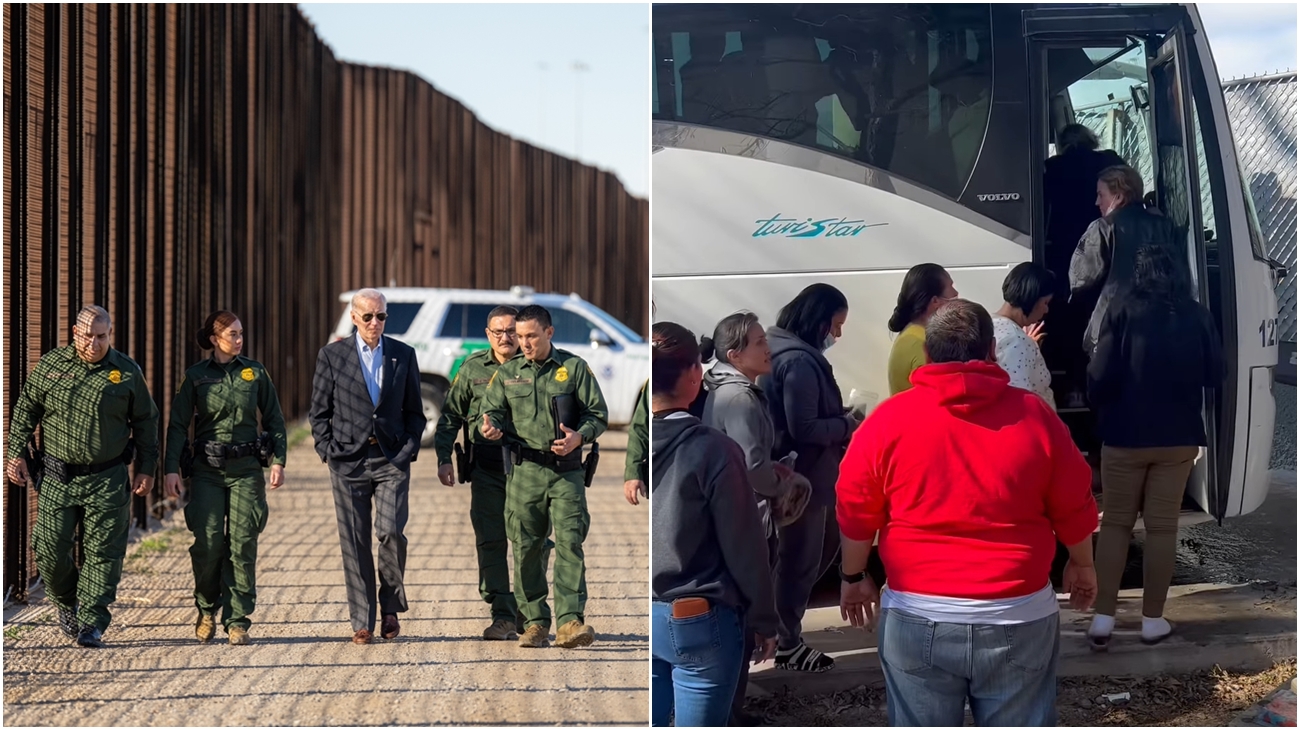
(1023, 361)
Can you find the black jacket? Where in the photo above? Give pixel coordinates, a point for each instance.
(342, 416)
(1148, 376)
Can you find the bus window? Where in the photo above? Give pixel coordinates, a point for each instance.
(902, 88)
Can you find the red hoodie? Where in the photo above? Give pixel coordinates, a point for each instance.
(970, 482)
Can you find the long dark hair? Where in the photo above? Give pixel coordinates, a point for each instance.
(808, 316)
(922, 283)
(1158, 277)
(673, 352)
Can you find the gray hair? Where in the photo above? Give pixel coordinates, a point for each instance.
(732, 333)
(369, 295)
(91, 315)
(960, 331)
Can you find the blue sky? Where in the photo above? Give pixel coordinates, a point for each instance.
(489, 56)
(1249, 39)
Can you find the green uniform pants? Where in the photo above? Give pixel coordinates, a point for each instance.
(226, 513)
(102, 504)
(537, 499)
(487, 507)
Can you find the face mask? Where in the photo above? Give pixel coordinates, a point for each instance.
(829, 341)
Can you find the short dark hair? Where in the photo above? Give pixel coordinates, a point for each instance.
(1026, 284)
(960, 331)
(732, 333)
(808, 316)
(505, 310)
(673, 351)
(534, 313)
(922, 283)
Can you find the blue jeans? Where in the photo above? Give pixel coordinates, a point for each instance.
(695, 667)
(1008, 672)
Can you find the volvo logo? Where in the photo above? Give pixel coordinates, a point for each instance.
(997, 197)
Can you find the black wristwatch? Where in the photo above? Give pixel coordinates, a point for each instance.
(853, 577)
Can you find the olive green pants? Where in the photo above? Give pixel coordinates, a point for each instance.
(102, 504)
(487, 508)
(226, 513)
(537, 500)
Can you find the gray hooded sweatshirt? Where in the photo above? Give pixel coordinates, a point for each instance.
(706, 537)
(807, 412)
(738, 408)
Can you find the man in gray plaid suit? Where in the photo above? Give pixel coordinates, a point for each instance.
(367, 418)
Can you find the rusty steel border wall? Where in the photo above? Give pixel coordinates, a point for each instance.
(168, 160)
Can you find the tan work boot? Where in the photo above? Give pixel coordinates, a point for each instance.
(500, 630)
(238, 635)
(574, 634)
(205, 628)
(534, 637)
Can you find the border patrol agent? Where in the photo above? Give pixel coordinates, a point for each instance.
(90, 401)
(484, 467)
(636, 470)
(227, 509)
(525, 404)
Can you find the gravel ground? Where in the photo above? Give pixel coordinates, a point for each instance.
(1211, 699)
(302, 668)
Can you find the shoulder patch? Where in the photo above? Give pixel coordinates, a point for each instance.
(182, 383)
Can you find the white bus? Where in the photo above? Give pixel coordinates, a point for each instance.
(796, 144)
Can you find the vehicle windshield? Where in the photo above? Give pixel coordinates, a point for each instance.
(622, 329)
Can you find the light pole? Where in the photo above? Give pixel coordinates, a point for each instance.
(578, 69)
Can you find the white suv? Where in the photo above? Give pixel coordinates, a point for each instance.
(446, 325)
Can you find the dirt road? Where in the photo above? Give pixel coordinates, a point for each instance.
(302, 668)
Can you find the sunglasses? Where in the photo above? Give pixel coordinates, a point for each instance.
(381, 316)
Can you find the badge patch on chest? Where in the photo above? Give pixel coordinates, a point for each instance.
(248, 374)
(562, 374)
(115, 376)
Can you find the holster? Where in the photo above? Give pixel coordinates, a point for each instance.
(464, 464)
(187, 460)
(510, 457)
(35, 459)
(589, 466)
(265, 449)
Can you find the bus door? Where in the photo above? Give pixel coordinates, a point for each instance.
(1167, 156)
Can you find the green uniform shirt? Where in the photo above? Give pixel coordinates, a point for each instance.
(224, 401)
(87, 411)
(638, 438)
(518, 399)
(465, 403)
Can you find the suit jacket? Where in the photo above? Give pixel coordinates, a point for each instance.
(343, 418)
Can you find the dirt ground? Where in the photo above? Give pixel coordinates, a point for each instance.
(302, 668)
(1211, 699)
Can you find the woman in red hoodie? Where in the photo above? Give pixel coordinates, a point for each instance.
(969, 483)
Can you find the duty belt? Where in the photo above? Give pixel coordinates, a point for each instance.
(65, 471)
(572, 462)
(230, 451)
